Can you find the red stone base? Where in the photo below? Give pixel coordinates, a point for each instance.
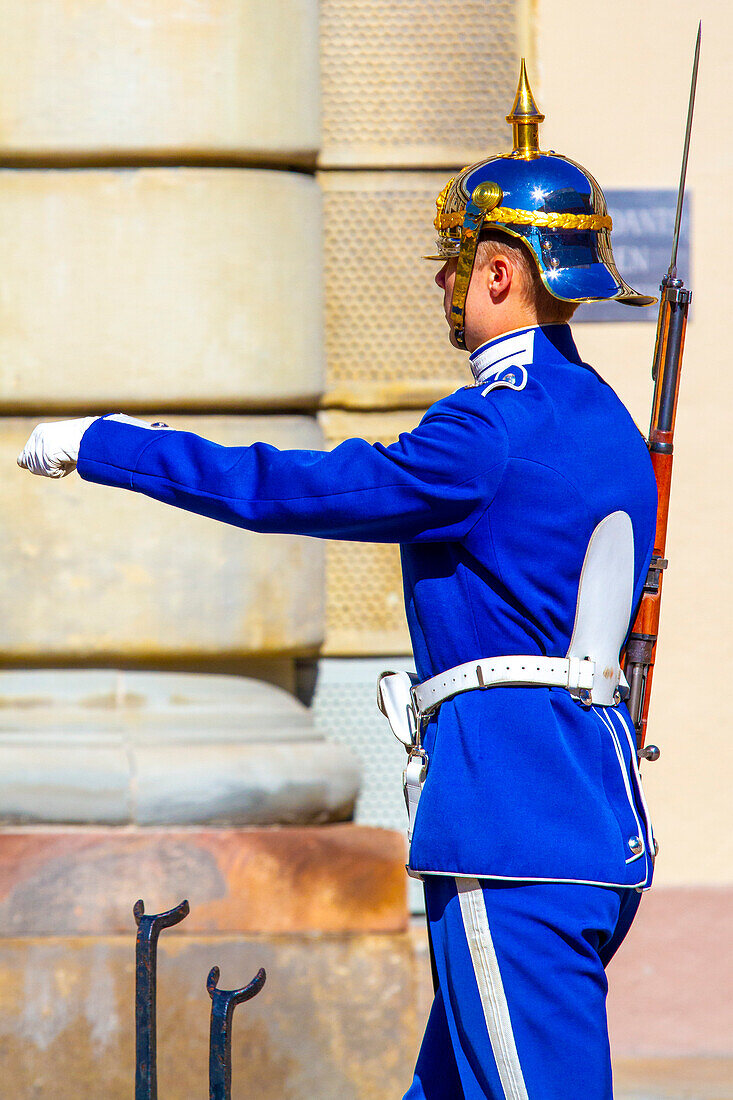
(84, 881)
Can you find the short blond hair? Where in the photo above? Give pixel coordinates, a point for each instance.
(549, 310)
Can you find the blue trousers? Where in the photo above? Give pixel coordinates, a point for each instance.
(520, 1011)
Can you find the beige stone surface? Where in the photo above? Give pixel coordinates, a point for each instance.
(386, 333)
(673, 1078)
(632, 137)
(162, 748)
(91, 572)
(176, 287)
(365, 611)
(670, 982)
(421, 83)
(114, 78)
(336, 1019)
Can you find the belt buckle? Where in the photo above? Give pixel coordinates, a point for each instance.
(417, 714)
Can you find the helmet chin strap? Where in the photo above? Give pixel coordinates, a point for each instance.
(484, 198)
(464, 270)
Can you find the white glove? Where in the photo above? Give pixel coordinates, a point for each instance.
(53, 449)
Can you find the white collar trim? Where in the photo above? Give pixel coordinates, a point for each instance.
(512, 349)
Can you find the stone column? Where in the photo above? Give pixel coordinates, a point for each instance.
(160, 226)
(161, 256)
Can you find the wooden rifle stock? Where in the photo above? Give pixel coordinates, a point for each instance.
(641, 647)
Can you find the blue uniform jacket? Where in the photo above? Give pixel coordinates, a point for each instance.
(493, 498)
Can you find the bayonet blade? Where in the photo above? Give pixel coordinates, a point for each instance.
(672, 273)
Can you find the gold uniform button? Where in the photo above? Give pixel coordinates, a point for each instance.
(636, 844)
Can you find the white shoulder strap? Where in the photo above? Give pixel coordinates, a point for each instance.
(603, 610)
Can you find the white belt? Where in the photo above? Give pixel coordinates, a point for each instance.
(406, 703)
(515, 671)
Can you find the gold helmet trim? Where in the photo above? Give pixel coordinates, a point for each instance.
(530, 217)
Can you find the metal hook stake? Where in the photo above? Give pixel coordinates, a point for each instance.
(223, 1003)
(146, 943)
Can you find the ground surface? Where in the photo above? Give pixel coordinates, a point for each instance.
(674, 1079)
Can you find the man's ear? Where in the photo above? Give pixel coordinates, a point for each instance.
(500, 275)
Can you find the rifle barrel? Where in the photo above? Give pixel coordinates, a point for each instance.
(673, 308)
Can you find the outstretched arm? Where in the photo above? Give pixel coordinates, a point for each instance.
(433, 483)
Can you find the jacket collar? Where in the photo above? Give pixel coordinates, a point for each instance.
(521, 347)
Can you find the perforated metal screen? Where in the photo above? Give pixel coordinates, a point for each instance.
(364, 604)
(418, 82)
(386, 333)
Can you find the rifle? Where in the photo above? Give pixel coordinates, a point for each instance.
(674, 305)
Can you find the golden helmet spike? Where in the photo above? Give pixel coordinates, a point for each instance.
(525, 117)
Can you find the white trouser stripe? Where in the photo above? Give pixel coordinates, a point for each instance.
(491, 988)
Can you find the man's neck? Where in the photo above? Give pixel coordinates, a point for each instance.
(511, 320)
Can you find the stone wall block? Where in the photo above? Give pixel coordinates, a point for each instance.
(255, 784)
(160, 77)
(386, 333)
(168, 287)
(418, 83)
(89, 572)
(42, 781)
(156, 748)
(97, 704)
(327, 878)
(337, 1019)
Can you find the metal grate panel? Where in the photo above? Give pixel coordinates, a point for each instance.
(420, 82)
(386, 332)
(364, 603)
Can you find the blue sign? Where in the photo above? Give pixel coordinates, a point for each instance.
(643, 226)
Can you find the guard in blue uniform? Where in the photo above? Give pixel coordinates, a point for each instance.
(525, 507)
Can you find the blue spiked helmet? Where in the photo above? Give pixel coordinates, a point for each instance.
(546, 200)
